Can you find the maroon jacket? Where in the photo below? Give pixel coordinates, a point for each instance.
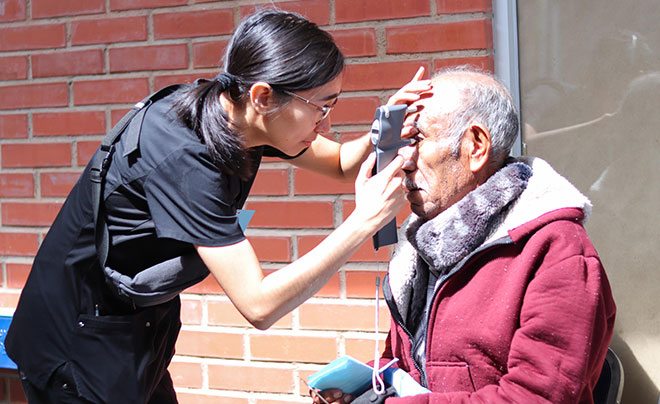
(526, 318)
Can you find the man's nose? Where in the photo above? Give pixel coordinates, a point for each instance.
(409, 154)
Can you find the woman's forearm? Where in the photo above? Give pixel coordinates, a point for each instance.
(290, 286)
(264, 299)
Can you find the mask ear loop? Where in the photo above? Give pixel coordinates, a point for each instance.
(377, 383)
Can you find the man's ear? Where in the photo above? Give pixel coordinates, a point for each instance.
(262, 97)
(478, 146)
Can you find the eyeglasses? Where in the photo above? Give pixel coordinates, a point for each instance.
(325, 110)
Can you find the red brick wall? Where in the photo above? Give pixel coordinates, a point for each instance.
(69, 69)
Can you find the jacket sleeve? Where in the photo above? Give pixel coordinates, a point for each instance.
(566, 322)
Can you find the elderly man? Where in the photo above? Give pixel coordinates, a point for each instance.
(496, 293)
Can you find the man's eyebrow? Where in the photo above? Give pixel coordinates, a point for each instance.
(415, 123)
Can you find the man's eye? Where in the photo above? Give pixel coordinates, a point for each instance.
(415, 140)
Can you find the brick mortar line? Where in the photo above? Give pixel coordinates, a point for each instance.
(342, 284)
(36, 178)
(286, 232)
(21, 170)
(204, 302)
(4, 275)
(9, 291)
(205, 375)
(276, 165)
(10, 259)
(352, 266)
(294, 250)
(344, 302)
(434, 17)
(273, 332)
(150, 24)
(236, 362)
(378, 58)
(290, 178)
(35, 200)
(332, 18)
(35, 140)
(337, 212)
(327, 198)
(295, 320)
(247, 352)
(23, 229)
(74, 108)
(252, 396)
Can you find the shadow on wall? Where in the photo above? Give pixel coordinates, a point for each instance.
(637, 386)
(615, 161)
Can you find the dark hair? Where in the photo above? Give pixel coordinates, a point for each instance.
(280, 48)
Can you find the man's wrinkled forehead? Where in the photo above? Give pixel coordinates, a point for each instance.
(441, 100)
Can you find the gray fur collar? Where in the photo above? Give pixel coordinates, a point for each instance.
(523, 190)
(454, 233)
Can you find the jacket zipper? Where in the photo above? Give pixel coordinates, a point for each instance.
(397, 316)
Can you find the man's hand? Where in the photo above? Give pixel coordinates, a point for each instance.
(335, 396)
(371, 397)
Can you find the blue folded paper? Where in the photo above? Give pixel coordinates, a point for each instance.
(346, 374)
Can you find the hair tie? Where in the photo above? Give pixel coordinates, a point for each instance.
(226, 79)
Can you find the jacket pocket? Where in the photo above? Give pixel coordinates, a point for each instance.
(447, 377)
(108, 354)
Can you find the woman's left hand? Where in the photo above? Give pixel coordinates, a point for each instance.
(412, 91)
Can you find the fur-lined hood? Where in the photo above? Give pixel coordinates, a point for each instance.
(545, 191)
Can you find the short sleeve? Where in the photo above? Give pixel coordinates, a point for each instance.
(192, 201)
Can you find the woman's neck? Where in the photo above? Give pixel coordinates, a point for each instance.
(246, 121)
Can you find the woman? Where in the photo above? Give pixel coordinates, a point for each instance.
(176, 178)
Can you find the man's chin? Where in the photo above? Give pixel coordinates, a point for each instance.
(415, 198)
(417, 209)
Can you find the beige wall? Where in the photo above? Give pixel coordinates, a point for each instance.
(590, 103)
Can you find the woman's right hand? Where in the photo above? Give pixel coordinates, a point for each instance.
(378, 198)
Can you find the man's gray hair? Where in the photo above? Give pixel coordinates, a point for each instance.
(486, 101)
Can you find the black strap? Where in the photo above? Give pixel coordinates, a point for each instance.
(101, 162)
(371, 397)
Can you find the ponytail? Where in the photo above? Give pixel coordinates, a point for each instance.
(199, 108)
